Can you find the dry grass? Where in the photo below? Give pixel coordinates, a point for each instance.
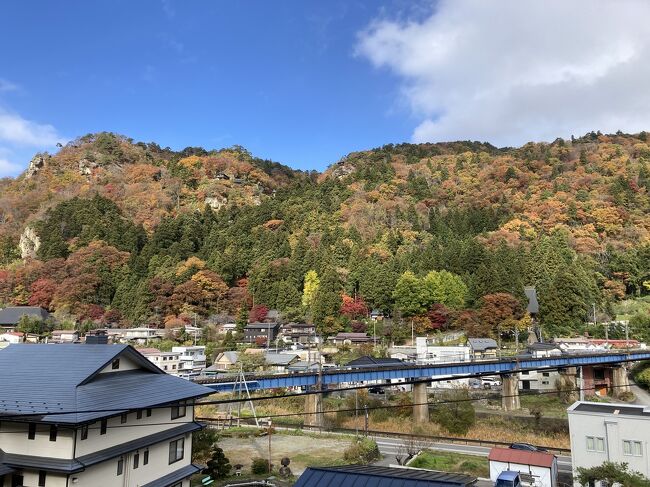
(493, 429)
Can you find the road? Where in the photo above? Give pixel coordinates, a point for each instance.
(642, 396)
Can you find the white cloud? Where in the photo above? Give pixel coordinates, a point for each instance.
(7, 86)
(518, 70)
(9, 168)
(15, 129)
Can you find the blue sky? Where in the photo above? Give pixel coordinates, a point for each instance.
(280, 78)
(305, 82)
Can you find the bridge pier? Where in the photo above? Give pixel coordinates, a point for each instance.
(569, 383)
(314, 410)
(510, 392)
(620, 382)
(420, 403)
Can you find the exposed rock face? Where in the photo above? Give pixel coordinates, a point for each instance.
(343, 169)
(36, 164)
(86, 167)
(29, 243)
(216, 202)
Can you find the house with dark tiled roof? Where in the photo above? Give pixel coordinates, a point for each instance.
(10, 316)
(483, 347)
(90, 415)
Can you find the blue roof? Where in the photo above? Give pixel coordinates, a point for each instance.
(50, 378)
(508, 475)
(370, 476)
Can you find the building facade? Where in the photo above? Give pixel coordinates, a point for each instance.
(94, 415)
(167, 361)
(606, 432)
(192, 360)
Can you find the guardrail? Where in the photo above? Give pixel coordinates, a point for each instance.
(388, 434)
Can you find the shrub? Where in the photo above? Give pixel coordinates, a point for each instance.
(643, 378)
(218, 467)
(260, 466)
(456, 413)
(362, 451)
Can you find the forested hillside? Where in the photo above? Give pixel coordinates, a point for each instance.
(445, 235)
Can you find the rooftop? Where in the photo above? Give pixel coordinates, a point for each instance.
(610, 409)
(482, 344)
(368, 361)
(522, 457)
(12, 314)
(366, 476)
(62, 383)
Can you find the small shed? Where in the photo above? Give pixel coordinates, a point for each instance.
(541, 466)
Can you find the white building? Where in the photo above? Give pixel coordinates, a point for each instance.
(64, 336)
(167, 361)
(429, 353)
(602, 432)
(141, 335)
(538, 467)
(191, 360)
(538, 380)
(93, 415)
(12, 337)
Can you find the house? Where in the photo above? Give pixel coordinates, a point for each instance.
(279, 362)
(345, 338)
(607, 432)
(483, 348)
(141, 335)
(167, 361)
(376, 315)
(428, 352)
(538, 380)
(303, 333)
(543, 350)
(91, 415)
(261, 333)
(64, 336)
(539, 467)
(11, 315)
(380, 477)
(403, 352)
(12, 337)
(225, 361)
(191, 360)
(303, 366)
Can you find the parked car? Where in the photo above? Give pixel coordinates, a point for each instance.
(509, 478)
(527, 447)
(376, 390)
(490, 382)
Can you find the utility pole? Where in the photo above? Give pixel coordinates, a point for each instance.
(412, 333)
(365, 410)
(270, 445)
(356, 411)
(374, 334)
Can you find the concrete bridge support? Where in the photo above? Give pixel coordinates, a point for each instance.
(510, 392)
(569, 383)
(314, 410)
(420, 403)
(620, 382)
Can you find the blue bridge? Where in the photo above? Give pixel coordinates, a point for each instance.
(408, 372)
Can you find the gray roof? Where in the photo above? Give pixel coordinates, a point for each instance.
(280, 358)
(533, 305)
(618, 409)
(232, 356)
(55, 378)
(174, 477)
(261, 326)
(12, 315)
(379, 477)
(482, 344)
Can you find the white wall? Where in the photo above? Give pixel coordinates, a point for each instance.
(13, 439)
(125, 364)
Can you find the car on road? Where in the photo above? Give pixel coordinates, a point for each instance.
(527, 447)
(376, 390)
(490, 382)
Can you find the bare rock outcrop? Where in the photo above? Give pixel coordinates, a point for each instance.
(29, 243)
(36, 164)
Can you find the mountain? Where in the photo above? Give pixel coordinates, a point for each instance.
(114, 230)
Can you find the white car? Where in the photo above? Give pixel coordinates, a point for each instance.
(490, 382)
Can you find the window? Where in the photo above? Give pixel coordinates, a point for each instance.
(53, 432)
(632, 448)
(115, 364)
(42, 475)
(525, 372)
(599, 374)
(178, 484)
(546, 374)
(176, 450)
(596, 444)
(138, 414)
(123, 417)
(178, 411)
(545, 382)
(120, 466)
(84, 432)
(102, 427)
(145, 457)
(148, 413)
(136, 460)
(31, 433)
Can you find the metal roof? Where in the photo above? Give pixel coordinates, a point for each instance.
(51, 378)
(280, 358)
(522, 457)
(370, 476)
(173, 477)
(481, 344)
(11, 315)
(533, 304)
(368, 361)
(613, 409)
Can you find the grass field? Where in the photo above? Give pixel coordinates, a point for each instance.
(452, 462)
